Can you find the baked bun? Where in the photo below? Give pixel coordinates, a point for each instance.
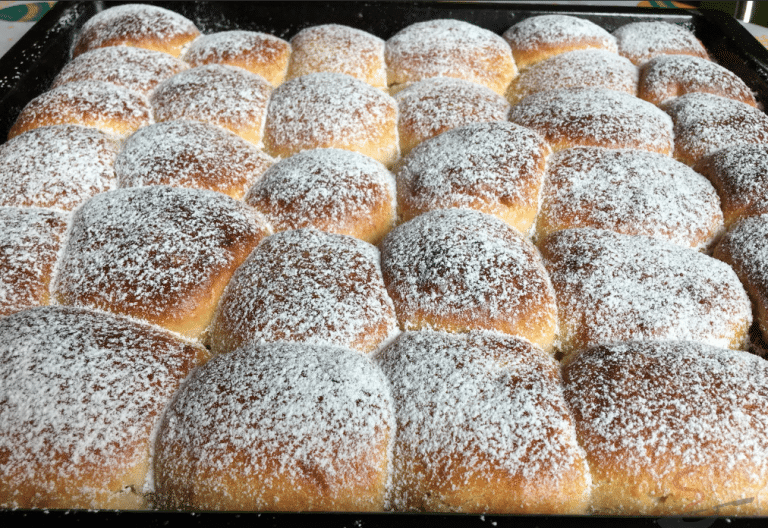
(669, 76)
(136, 69)
(138, 25)
(740, 175)
(540, 37)
(432, 106)
(279, 426)
(96, 104)
(496, 168)
(482, 427)
(226, 96)
(30, 240)
(612, 287)
(745, 249)
(340, 49)
(705, 123)
(459, 270)
(332, 190)
(57, 167)
(331, 110)
(595, 117)
(306, 286)
(259, 53)
(77, 422)
(596, 68)
(449, 48)
(642, 41)
(161, 254)
(632, 192)
(190, 154)
(672, 428)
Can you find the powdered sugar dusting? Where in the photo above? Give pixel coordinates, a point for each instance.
(642, 41)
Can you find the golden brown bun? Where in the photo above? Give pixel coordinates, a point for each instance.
(279, 426)
(340, 49)
(631, 192)
(142, 26)
(310, 287)
(331, 110)
(449, 48)
(161, 254)
(190, 154)
(76, 424)
(332, 190)
(612, 287)
(642, 41)
(96, 104)
(482, 427)
(540, 37)
(459, 270)
(259, 53)
(30, 240)
(672, 428)
(496, 168)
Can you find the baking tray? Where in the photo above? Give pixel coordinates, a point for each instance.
(30, 66)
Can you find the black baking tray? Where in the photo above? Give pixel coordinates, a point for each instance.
(30, 66)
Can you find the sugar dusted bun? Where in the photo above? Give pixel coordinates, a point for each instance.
(190, 154)
(496, 168)
(306, 286)
(458, 270)
(340, 49)
(259, 53)
(539, 37)
(76, 424)
(97, 104)
(672, 428)
(632, 192)
(449, 48)
(482, 426)
(332, 190)
(278, 426)
(142, 26)
(642, 41)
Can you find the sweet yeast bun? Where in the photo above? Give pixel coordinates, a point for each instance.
(576, 69)
(96, 104)
(459, 270)
(744, 248)
(77, 423)
(496, 168)
(138, 25)
(669, 76)
(333, 190)
(136, 69)
(432, 106)
(306, 286)
(482, 427)
(740, 175)
(449, 48)
(226, 96)
(190, 154)
(30, 239)
(257, 52)
(160, 254)
(642, 41)
(540, 37)
(595, 117)
(340, 49)
(704, 123)
(331, 110)
(632, 192)
(612, 287)
(278, 426)
(57, 166)
(672, 428)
